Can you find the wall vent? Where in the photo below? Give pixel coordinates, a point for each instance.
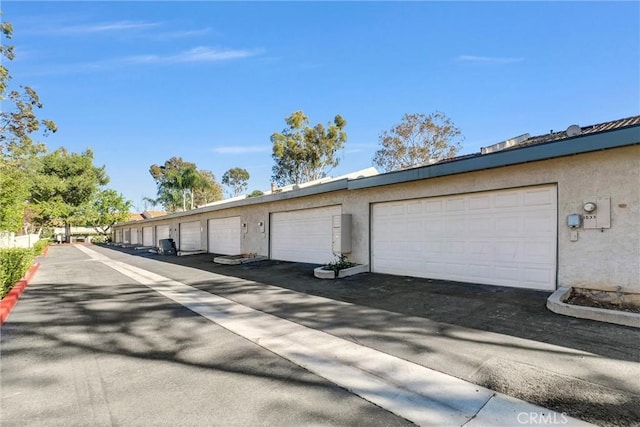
(505, 144)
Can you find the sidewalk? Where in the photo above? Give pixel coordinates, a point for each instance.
(586, 369)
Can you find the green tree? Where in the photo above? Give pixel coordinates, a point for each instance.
(18, 151)
(209, 190)
(255, 193)
(171, 189)
(418, 139)
(107, 209)
(66, 186)
(14, 193)
(178, 181)
(237, 179)
(303, 153)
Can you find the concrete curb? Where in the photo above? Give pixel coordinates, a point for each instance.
(321, 273)
(11, 299)
(187, 253)
(556, 304)
(235, 260)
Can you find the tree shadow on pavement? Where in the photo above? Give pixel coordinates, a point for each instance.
(99, 331)
(516, 346)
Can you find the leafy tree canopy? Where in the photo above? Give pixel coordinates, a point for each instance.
(303, 153)
(418, 139)
(18, 119)
(107, 209)
(65, 187)
(18, 151)
(179, 181)
(208, 190)
(237, 179)
(255, 193)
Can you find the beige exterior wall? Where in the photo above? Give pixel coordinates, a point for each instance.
(599, 258)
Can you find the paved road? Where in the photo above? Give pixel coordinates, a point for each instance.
(122, 327)
(88, 346)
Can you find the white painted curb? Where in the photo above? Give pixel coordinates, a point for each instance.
(556, 303)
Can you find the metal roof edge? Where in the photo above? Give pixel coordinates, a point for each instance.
(565, 147)
(326, 187)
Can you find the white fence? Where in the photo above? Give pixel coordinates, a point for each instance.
(10, 240)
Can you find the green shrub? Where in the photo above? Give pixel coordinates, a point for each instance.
(99, 239)
(39, 246)
(14, 263)
(340, 264)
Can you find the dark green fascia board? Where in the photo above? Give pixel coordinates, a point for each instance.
(549, 150)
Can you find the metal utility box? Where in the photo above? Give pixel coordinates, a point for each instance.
(597, 213)
(341, 234)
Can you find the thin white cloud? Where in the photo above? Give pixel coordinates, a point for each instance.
(235, 149)
(358, 147)
(102, 27)
(172, 35)
(489, 59)
(197, 54)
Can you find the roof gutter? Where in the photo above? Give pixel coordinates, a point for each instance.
(549, 150)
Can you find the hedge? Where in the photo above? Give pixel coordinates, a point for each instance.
(39, 246)
(15, 262)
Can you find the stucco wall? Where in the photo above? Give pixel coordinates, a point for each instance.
(599, 258)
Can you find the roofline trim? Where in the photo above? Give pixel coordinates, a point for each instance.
(549, 150)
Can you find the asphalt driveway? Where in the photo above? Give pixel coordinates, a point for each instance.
(86, 346)
(500, 338)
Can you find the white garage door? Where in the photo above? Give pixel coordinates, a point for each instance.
(147, 236)
(225, 235)
(162, 232)
(505, 237)
(127, 236)
(190, 236)
(134, 236)
(304, 235)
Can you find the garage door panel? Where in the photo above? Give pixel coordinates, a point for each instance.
(479, 203)
(134, 236)
(454, 205)
(225, 235)
(303, 235)
(147, 236)
(506, 237)
(190, 236)
(162, 232)
(538, 198)
(506, 200)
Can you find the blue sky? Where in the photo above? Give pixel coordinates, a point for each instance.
(140, 82)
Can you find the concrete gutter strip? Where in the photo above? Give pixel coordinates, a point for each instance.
(556, 304)
(414, 392)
